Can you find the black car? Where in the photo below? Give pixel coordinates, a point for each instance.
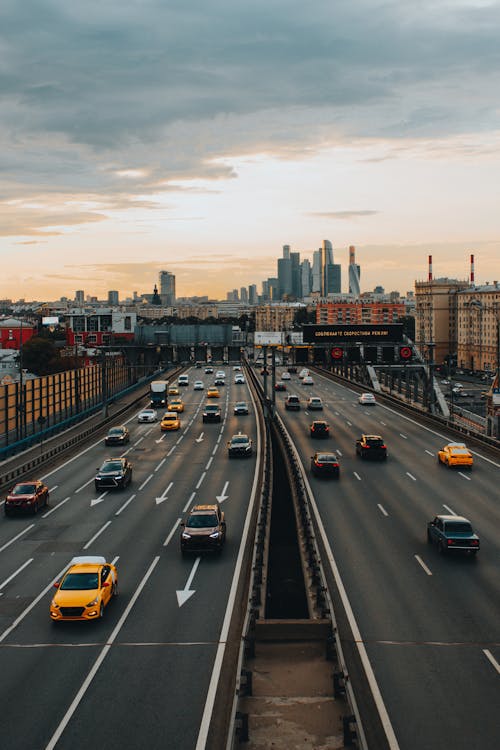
(239, 445)
(371, 446)
(319, 429)
(453, 534)
(241, 407)
(115, 473)
(117, 436)
(211, 413)
(325, 465)
(204, 529)
(280, 386)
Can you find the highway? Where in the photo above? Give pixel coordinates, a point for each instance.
(430, 623)
(139, 677)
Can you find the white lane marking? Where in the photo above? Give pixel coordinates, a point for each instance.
(86, 683)
(83, 486)
(424, 566)
(357, 476)
(172, 532)
(349, 423)
(32, 605)
(172, 449)
(138, 441)
(9, 579)
(403, 436)
(384, 423)
(491, 659)
(430, 453)
(339, 452)
(181, 437)
(214, 450)
(337, 414)
(191, 498)
(209, 463)
(52, 510)
(161, 463)
(199, 481)
(163, 496)
(97, 535)
(411, 476)
(21, 533)
(54, 488)
(449, 510)
(145, 482)
(125, 505)
(382, 509)
(115, 560)
(186, 593)
(464, 476)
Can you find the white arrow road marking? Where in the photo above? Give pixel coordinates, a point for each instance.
(357, 476)
(160, 439)
(98, 500)
(163, 497)
(187, 593)
(411, 476)
(199, 439)
(220, 498)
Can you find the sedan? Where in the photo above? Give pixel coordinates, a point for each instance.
(452, 534)
(307, 380)
(198, 385)
(325, 465)
(315, 403)
(27, 496)
(319, 429)
(239, 380)
(173, 390)
(176, 404)
(85, 589)
(170, 421)
(147, 415)
(117, 436)
(455, 454)
(280, 386)
(240, 407)
(213, 392)
(371, 446)
(367, 399)
(286, 376)
(240, 446)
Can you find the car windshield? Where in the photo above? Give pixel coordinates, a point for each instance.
(458, 527)
(212, 408)
(116, 431)
(170, 417)
(80, 581)
(326, 458)
(112, 466)
(375, 442)
(241, 405)
(239, 439)
(460, 451)
(24, 489)
(147, 411)
(202, 521)
(319, 425)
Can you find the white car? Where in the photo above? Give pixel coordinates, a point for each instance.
(307, 380)
(220, 374)
(147, 415)
(314, 403)
(303, 373)
(239, 379)
(286, 376)
(367, 399)
(198, 385)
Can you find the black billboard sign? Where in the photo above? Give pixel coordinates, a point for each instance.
(362, 332)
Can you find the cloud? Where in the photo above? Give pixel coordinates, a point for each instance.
(342, 214)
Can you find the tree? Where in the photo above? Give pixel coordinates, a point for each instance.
(41, 357)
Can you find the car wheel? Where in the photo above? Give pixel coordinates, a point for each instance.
(114, 590)
(101, 611)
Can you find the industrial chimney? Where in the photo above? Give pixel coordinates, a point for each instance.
(430, 267)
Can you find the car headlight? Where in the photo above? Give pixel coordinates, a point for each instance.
(215, 535)
(93, 602)
(53, 603)
(119, 476)
(185, 535)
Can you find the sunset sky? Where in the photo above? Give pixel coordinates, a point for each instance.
(199, 136)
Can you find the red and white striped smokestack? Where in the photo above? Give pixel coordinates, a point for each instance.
(472, 270)
(430, 267)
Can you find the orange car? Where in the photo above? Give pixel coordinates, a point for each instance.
(455, 454)
(170, 421)
(85, 589)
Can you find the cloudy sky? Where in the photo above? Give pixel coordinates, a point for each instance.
(199, 136)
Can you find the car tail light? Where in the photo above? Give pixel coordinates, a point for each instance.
(475, 543)
(318, 464)
(451, 541)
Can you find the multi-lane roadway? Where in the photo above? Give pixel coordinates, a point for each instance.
(146, 674)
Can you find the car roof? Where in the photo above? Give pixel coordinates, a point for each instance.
(88, 560)
(170, 415)
(372, 437)
(453, 518)
(205, 508)
(326, 455)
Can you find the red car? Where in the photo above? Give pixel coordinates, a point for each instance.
(27, 496)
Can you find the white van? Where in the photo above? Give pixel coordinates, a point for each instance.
(183, 380)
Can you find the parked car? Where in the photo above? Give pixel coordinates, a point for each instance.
(240, 407)
(371, 446)
(115, 473)
(204, 529)
(117, 436)
(170, 421)
(28, 496)
(455, 454)
(239, 445)
(85, 589)
(319, 429)
(292, 403)
(325, 464)
(453, 534)
(367, 399)
(211, 413)
(147, 415)
(314, 403)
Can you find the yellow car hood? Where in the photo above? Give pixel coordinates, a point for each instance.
(75, 598)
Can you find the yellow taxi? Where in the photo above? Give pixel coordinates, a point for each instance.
(85, 589)
(170, 421)
(173, 390)
(455, 454)
(176, 404)
(213, 392)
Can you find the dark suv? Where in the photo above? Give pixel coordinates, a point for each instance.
(239, 445)
(204, 529)
(211, 413)
(371, 446)
(117, 436)
(115, 473)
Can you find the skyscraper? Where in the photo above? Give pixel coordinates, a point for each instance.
(316, 272)
(305, 272)
(326, 251)
(296, 278)
(80, 297)
(285, 277)
(244, 294)
(354, 273)
(113, 297)
(167, 288)
(252, 294)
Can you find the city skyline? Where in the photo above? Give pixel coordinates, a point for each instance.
(137, 138)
